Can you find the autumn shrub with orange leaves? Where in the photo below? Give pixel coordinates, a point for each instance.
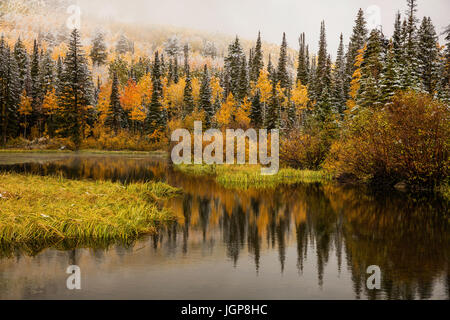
(405, 141)
(125, 140)
(308, 147)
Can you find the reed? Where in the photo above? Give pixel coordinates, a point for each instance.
(52, 209)
(249, 176)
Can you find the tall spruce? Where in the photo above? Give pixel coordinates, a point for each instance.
(428, 55)
(98, 52)
(339, 96)
(390, 78)
(9, 93)
(256, 113)
(205, 97)
(302, 68)
(21, 55)
(257, 61)
(36, 94)
(243, 86)
(357, 41)
(188, 98)
(371, 68)
(115, 118)
(76, 91)
(233, 64)
(282, 72)
(155, 119)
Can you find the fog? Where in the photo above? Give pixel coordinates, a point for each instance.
(271, 17)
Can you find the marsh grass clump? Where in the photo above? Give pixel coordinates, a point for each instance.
(249, 176)
(54, 209)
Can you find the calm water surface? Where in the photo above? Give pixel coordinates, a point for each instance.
(293, 242)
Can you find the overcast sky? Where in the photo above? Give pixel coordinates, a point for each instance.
(271, 17)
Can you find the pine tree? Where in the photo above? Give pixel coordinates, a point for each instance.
(124, 45)
(205, 97)
(98, 52)
(271, 71)
(371, 68)
(9, 92)
(411, 77)
(188, 98)
(116, 118)
(186, 58)
(243, 86)
(257, 60)
(397, 40)
(21, 55)
(233, 64)
(428, 55)
(36, 93)
(272, 117)
(357, 41)
(155, 119)
(302, 68)
(282, 72)
(76, 91)
(339, 96)
(175, 71)
(256, 114)
(47, 73)
(390, 80)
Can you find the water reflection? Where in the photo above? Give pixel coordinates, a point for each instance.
(330, 233)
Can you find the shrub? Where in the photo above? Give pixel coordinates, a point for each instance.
(406, 140)
(307, 149)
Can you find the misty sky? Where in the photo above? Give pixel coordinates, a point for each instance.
(272, 17)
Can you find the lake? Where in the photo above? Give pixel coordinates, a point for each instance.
(304, 241)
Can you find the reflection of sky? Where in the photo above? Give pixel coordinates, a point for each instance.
(272, 17)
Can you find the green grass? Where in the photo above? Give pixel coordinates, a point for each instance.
(249, 176)
(35, 209)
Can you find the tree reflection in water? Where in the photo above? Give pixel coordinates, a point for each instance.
(406, 236)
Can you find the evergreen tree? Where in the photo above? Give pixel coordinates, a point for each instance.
(76, 91)
(256, 114)
(357, 41)
(257, 60)
(411, 77)
(205, 97)
(428, 55)
(47, 73)
(188, 98)
(390, 80)
(339, 96)
(21, 55)
(175, 71)
(156, 119)
(371, 68)
(243, 81)
(116, 117)
(233, 64)
(98, 52)
(9, 92)
(282, 73)
(272, 117)
(186, 58)
(302, 68)
(397, 40)
(322, 78)
(124, 45)
(36, 93)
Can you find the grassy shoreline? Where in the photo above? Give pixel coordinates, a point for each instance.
(35, 209)
(249, 176)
